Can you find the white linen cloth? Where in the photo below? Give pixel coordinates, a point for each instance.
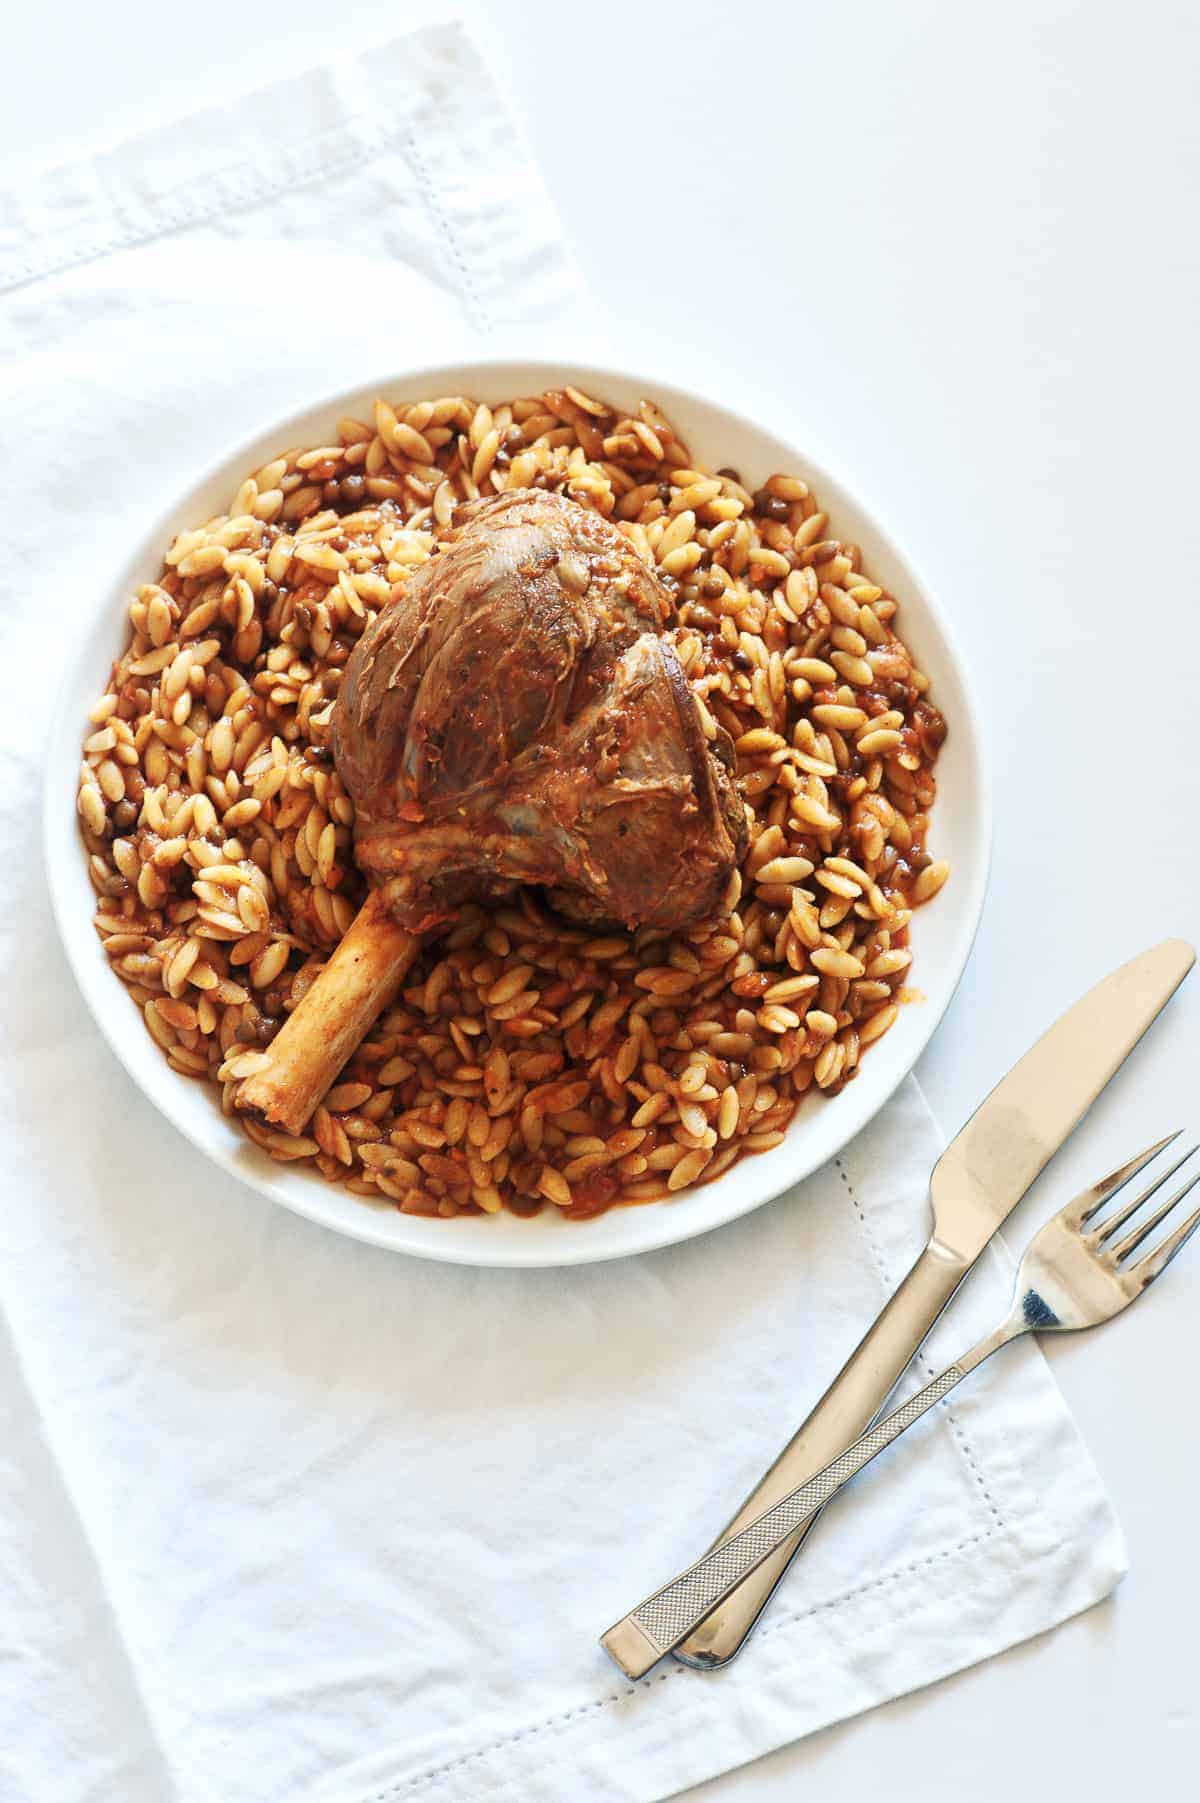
(283, 1517)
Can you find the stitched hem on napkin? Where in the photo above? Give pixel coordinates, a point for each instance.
(1037, 1556)
(807, 1670)
(427, 99)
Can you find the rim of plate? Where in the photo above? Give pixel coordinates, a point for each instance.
(943, 931)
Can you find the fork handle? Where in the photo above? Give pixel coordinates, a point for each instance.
(848, 1407)
(641, 1638)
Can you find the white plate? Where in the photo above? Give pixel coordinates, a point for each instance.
(942, 932)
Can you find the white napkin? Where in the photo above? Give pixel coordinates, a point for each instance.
(283, 1517)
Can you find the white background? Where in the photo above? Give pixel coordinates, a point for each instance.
(956, 246)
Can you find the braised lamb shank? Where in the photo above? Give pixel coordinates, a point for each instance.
(514, 717)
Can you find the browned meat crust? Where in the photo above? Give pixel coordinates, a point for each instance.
(516, 718)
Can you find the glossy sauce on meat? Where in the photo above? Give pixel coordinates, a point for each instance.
(517, 717)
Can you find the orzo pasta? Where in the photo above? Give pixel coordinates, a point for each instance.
(529, 1062)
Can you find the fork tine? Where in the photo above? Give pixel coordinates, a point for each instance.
(1134, 1240)
(1085, 1205)
(1156, 1262)
(1107, 1228)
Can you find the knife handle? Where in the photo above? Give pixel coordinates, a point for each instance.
(846, 1410)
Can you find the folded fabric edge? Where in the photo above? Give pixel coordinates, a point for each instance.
(301, 130)
(642, 1742)
(56, 1524)
(646, 1741)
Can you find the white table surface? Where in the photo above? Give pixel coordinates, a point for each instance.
(957, 246)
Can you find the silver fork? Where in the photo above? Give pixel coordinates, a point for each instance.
(1075, 1274)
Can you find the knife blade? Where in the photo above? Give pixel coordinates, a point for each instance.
(976, 1183)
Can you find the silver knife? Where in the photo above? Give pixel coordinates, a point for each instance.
(976, 1183)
